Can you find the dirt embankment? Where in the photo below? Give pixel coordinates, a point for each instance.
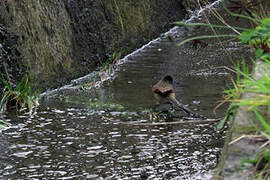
(55, 41)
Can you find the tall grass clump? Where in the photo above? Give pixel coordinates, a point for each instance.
(20, 96)
(259, 38)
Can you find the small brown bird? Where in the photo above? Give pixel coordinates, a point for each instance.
(163, 91)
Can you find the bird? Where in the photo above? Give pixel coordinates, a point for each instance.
(163, 92)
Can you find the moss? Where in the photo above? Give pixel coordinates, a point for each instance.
(44, 41)
(62, 40)
(98, 105)
(132, 16)
(246, 130)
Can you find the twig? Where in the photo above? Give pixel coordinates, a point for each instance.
(245, 136)
(265, 144)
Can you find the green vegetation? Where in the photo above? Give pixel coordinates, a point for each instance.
(208, 36)
(44, 43)
(119, 16)
(21, 97)
(259, 102)
(132, 17)
(246, 130)
(259, 38)
(98, 105)
(261, 163)
(112, 60)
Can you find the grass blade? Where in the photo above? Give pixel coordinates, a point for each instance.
(207, 37)
(181, 23)
(240, 15)
(261, 119)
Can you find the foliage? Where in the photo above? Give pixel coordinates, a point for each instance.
(111, 61)
(228, 117)
(260, 88)
(261, 163)
(247, 84)
(232, 35)
(250, 85)
(261, 98)
(265, 124)
(21, 96)
(258, 38)
(244, 7)
(119, 16)
(234, 93)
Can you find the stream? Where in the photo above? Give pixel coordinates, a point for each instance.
(106, 132)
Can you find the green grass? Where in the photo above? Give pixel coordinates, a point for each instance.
(20, 96)
(260, 99)
(119, 15)
(261, 162)
(116, 56)
(250, 85)
(258, 38)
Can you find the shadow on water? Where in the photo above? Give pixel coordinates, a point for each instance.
(69, 138)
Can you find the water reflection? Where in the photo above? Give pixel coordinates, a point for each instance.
(76, 145)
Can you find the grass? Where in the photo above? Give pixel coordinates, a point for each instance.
(119, 15)
(260, 88)
(261, 162)
(112, 60)
(21, 96)
(260, 99)
(258, 38)
(132, 17)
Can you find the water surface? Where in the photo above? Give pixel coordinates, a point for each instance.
(70, 139)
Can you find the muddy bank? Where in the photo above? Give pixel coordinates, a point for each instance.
(56, 41)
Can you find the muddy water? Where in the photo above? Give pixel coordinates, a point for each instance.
(69, 138)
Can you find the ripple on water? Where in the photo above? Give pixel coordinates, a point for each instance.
(90, 147)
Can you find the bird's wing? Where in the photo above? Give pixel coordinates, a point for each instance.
(165, 89)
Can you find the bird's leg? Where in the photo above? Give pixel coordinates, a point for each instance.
(187, 110)
(181, 106)
(163, 91)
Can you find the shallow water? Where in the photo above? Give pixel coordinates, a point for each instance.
(73, 143)
(69, 139)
